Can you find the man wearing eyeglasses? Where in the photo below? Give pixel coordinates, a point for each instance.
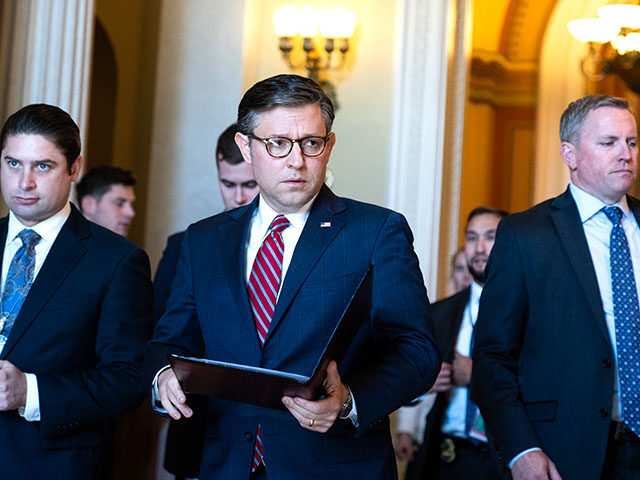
(265, 284)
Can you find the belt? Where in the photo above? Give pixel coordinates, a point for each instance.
(622, 433)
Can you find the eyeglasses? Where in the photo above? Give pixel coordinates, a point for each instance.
(280, 147)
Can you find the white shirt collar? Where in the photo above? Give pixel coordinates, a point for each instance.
(588, 205)
(266, 214)
(48, 229)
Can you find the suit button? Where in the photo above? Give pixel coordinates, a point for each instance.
(604, 412)
(606, 363)
(248, 436)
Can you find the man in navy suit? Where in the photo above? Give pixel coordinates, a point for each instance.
(75, 310)
(547, 367)
(329, 242)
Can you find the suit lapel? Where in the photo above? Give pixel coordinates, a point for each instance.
(634, 206)
(567, 222)
(232, 246)
(457, 321)
(320, 229)
(65, 253)
(4, 226)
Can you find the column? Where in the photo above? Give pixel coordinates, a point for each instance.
(418, 125)
(45, 55)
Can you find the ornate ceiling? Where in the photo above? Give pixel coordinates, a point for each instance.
(504, 64)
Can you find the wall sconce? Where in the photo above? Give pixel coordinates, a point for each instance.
(614, 43)
(309, 38)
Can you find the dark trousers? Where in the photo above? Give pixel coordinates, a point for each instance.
(471, 462)
(622, 461)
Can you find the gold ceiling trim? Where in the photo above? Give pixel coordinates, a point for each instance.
(501, 82)
(523, 28)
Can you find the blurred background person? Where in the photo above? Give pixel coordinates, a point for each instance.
(411, 420)
(454, 445)
(460, 275)
(105, 195)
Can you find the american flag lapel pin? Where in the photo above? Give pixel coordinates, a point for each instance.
(325, 224)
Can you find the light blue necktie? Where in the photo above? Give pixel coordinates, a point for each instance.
(626, 314)
(18, 282)
(472, 411)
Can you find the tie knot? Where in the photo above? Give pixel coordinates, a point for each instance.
(279, 224)
(613, 213)
(30, 238)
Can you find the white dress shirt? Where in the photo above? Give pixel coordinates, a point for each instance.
(47, 229)
(455, 416)
(597, 228)
(262, 218)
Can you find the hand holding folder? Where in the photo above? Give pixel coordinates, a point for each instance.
(319, 416)
(265, 387)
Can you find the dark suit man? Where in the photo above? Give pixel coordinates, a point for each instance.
(75, 309)
(237, 186)
(546, 354)
(452, 449)
(327, 243)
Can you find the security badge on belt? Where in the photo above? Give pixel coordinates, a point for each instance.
(447, 450)
(477, 432)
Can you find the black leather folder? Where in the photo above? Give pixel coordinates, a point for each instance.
(264, 387)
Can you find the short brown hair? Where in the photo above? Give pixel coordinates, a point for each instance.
(49, 121)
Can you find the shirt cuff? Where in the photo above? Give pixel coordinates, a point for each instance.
(353, 414)
(31, 410)
(515, 459)
(156, 404)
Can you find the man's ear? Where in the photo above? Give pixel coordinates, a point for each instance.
(244, 146)
(88, 205)
(76, 166)
(568, 154)
(331, 141)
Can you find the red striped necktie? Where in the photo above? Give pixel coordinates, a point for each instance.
(264, 283)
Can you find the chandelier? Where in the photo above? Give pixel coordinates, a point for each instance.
(316, 40)
(614, 43)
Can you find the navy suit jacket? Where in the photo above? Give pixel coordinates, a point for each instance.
(392, 360)
(543, 369)
(81, 330)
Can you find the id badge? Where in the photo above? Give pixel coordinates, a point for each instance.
(478, 430)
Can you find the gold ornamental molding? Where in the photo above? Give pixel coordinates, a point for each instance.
(501, 82)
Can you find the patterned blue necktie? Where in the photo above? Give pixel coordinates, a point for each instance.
(18, 282)
(626, 314)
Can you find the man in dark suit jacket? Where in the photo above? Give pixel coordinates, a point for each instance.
(328, 245)
(545, 362)
(451, 450)
(75, 335)
(185, 437)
